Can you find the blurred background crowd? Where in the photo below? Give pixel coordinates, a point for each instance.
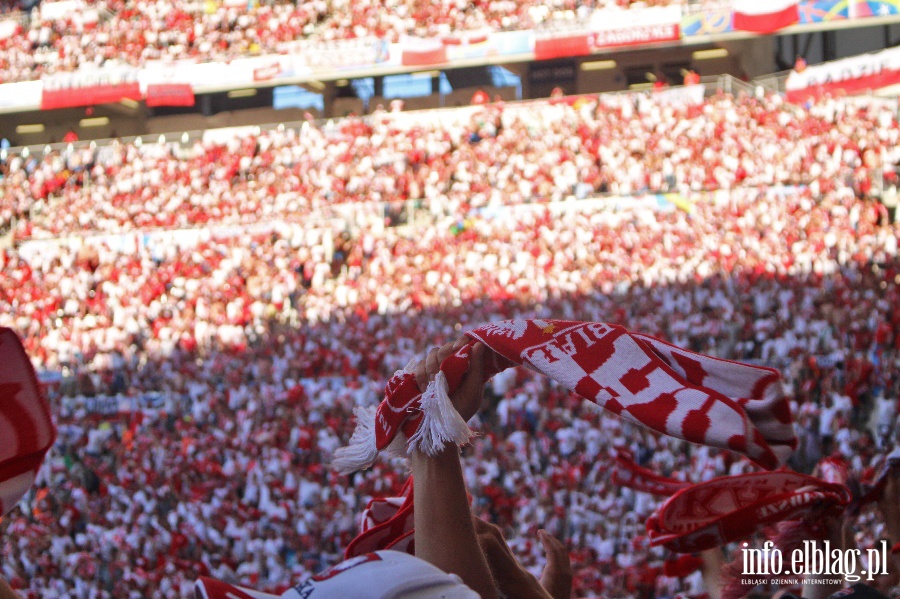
(202, 382)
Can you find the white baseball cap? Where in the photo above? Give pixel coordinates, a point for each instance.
(379, 575)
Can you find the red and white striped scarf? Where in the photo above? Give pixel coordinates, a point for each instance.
(668, 389)
(628, 474)
(645, 380)
(26, 429)
(730, 508)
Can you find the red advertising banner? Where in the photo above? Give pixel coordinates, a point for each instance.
(71, 97)
(170, 94)
(424, 55)
(571, 44)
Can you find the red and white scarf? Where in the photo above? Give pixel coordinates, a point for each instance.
(387, 523)
(628, 474)
(671, 390)
(26, 429)
(730, 508)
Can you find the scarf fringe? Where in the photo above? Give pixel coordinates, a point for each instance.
(360, 452)
(441, 423)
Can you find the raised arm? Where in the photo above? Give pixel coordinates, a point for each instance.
(445, 533)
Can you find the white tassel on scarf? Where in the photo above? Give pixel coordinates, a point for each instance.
(441, 423)
(360, 452)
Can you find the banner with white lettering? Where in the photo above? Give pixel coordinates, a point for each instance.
(579, 37)
(849, 76)
(635, 26)
(90, 86)
(170, 94)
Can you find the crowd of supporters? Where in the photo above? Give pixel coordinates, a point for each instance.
(206, 378)
(131, 32)
(207, 382)
(453, 161)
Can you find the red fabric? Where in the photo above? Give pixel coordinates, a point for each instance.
(681, 566)
(766, 21)
(387, 523)
(628, 474)
(26, 428)
(170, 94)
(86, 96)
(642, 379)
(546, 48)
(671, 390)
(424, 56)
(730, 508)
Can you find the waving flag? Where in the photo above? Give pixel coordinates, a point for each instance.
(764, 16)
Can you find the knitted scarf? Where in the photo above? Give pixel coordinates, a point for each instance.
(640, 378)
(730, 508)
(628, 474)
(26, 429)
(670, 390)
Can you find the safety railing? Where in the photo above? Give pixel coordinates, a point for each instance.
(774, 82)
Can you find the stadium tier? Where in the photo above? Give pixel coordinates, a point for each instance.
(176, 57)
(137, 31)
(450, 161)
(209, 381)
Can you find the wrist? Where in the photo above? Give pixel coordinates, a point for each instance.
(449, 453)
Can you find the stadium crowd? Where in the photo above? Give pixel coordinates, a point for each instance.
(453, 161)
(131, 32)
(234, 361)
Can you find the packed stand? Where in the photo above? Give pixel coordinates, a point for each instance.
(207, 383)
(132, 32)
(453, 161)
